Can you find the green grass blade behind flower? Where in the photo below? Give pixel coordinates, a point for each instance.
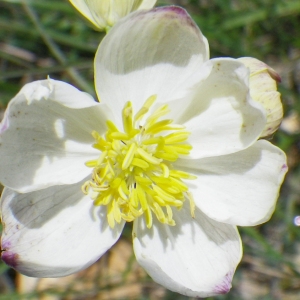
(46, 71)
(81, 82)
(61, 6)
(270, 254)
(278, 11)
(244, 17)
(73, 41)
(27, 296)
(261, 240)
(3, 267)
(63, 39)
(11, 58)
(7, 91)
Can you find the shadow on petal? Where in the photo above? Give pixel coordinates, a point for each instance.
(46, 143)
(194, 258)
(33, 210)
(52, 232)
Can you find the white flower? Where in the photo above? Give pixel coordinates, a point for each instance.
(103, 14)
(263, 89)
(175, 151)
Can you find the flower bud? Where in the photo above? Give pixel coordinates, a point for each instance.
(103, 14)
(263, 89)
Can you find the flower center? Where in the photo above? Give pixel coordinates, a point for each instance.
(133, 175)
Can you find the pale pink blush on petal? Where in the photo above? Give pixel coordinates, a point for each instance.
(5, 245)
(284, 168)
(9, 257)
(174, 11)
(3, 125)
(225, 286)
(178, 11)
(274, 75)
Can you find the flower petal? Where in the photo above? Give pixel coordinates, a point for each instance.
(82, 6)
(241, 188)
(197, 257)
(263, 89)
(147, 4)
(103, 14)
(165, 59)
(220, 114)
(46, 136)
(53, 232)
(56, 90)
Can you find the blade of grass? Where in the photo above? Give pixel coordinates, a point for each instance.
(50, 5)
(269, 250)
(61, 38)
(243, 18)
(46, 71)
(56, 52)
(13, 59)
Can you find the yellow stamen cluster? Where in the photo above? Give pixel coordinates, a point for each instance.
(133, 175)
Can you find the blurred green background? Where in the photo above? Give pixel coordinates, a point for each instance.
(47, 37)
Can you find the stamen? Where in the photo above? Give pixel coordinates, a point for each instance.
(192, 203)
(129, 156)
(133, 175)
(165, 170)
(167, 156)
(111, 126)
(148, 157)
(177, 137)
(181, 174)
(127, 117)
(119, 136)
(142, 197)
(143, 180)
(140, 163)
(161, 111)
(145, 108)
(158, 127)
(148, 217)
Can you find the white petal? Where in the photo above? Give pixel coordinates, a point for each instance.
(97, 20)
(106, 13)
(220, 114)
(147, 4)
(241, 188)
(53, 232)
(197, 257)
(157, 52)
(46, 136)
(56, 90)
